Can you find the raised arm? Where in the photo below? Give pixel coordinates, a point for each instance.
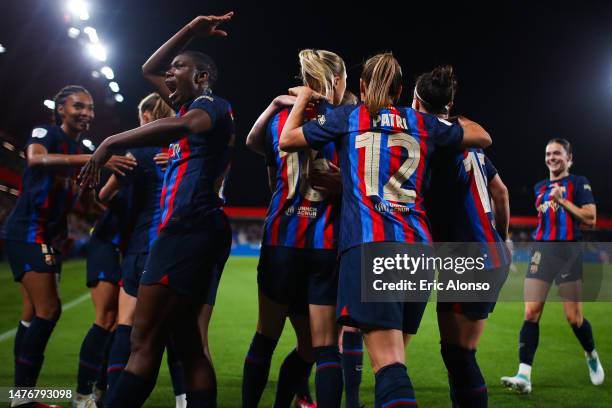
(154, 69)
(474, 135)
(256, 138)
(501, 205)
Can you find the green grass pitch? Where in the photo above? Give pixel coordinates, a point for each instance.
(560, 374)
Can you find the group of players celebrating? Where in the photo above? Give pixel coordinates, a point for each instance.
(345, 176)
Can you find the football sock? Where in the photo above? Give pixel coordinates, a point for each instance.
(90, 358)
(393, 387)
(584, 334)
(328, 377)
(130, 391)
(352, 360)
(256, 369)
(466, 383)
(119, 355)
(528, 342)
(201, 399)
(31, 354)
(176, 369)
(291, 374)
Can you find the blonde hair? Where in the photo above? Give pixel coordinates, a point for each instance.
(155, 104)
(382, 75)
(318, 69)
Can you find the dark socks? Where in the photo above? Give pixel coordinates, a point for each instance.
(256, 369)
(31, 355)
(292, 373)
(101, 382)
(119, 355)
(584, 334)
(328, 377)
(201, 399)
(91, 358)
(467, 386)
(393, 387)
(130, 391)
(303, 391)
(352, 361)
(176, 369)
(528, 342)
(21, 330)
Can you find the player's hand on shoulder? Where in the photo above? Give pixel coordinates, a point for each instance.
(283, 101)
(206, 26)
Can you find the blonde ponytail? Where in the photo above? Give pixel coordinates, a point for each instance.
(319, 68)
(382, 75)
(155, 104)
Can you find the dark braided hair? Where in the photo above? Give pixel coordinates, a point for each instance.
(62, 95)
(436, 89)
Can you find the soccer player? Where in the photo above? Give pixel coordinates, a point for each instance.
(297, 266)
(564, 201)
(384, 153)
(144, 187)
(463, 183)
(37, 224)
(194, 235)
(103, 276)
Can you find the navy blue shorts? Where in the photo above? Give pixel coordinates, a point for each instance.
(29, 257)
(189, 257)
(298, 277)
(103, 262)
(479, 310)
(555, 261)
(351, 311)
(131, 272)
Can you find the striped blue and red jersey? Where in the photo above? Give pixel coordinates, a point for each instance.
(47, 194)
(299, 216)
(198, 164)
(555, 223)
(145, 186)
(458, 201)
(384, 161)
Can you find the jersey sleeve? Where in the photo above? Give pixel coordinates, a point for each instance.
(43, 135)
(584, 193)
(326, 128)
(490, 169)
(270, 153)
(209, 105)
(445, 133)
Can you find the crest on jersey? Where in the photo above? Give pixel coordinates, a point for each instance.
(587, 187)
(290, 211)
(39, 133)
(321, 119)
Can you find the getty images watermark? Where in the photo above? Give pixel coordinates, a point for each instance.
(485, 272)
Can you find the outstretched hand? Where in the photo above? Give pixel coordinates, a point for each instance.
(102, 157)
(206, 26)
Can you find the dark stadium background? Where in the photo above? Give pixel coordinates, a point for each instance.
(528, 72)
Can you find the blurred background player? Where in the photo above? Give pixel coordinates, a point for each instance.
(37, 225)
(361, 135)
(184, 264)
(104, 252)
(297, 271)
(564, 202)
(463, 183)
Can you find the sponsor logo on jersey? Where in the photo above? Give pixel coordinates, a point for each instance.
(383, 207)
(306, 211)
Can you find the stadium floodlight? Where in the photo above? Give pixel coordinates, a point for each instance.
(113, 86)
(95, 74)
(88, 144)
(73, 32)
(92, 34)
(119, 98)
(49, 104)
(107, 72)
(2, 49)
(98, 51)
(79, 8)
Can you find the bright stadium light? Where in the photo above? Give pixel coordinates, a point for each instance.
(79, 8)
(98, 51)
(73, 32)
(119, 98)
(113, 86)
(2, 49)
(95, 74)
(49, 104)
(107, 72)
(92, 34)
